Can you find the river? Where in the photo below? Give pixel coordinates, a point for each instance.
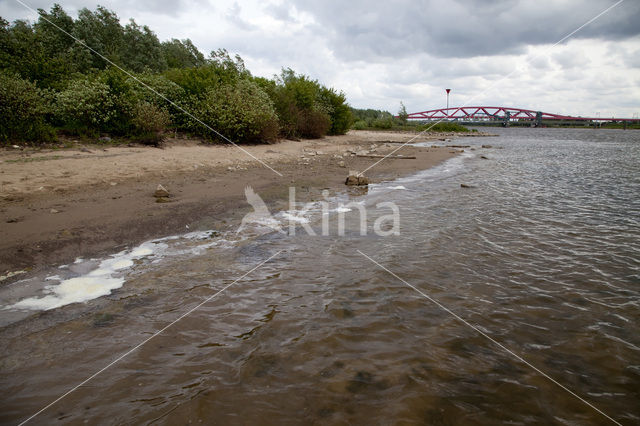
(514, 300)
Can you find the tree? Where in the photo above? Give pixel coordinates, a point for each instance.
(142, 49)
(402, 114)
(182, 54)
(54, 41)
(340, 113)
(101, 31)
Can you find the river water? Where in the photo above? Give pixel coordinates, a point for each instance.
(538, 260)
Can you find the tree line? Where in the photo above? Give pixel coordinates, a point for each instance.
(51, 84)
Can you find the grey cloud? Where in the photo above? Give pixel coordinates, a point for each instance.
(233, 16)
(571, 59)
(364, 30)
(281, 12)
(11, 10)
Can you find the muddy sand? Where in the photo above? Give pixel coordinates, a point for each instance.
(56, 205)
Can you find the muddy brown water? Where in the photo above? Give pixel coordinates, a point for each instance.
(542, 254)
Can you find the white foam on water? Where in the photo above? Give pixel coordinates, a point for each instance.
(267, 221)
(398, 187)
(73, 290)
(97, 283)
(296, 216)
(341, 209)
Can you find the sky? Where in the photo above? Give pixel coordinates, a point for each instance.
(381, 53)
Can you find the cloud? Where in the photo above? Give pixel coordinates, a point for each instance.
(380, 30)
(282, 12)
(380, 53)
(233, 16)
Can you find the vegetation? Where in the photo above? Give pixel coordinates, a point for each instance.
(444, 126)
(371, 119)
(51, 83)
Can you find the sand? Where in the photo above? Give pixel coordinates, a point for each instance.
(56, 205)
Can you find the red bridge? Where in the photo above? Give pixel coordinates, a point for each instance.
(487, 113)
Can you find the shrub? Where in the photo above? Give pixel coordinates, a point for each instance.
(23, 108)
(445, 126)
(339, 111)
(305, 108)
(242, 112)
(384, 123)
(150, 122)
(359, 125)
(168, 89)
(85, 105)
(314, 124)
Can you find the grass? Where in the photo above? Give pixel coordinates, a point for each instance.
(444, 126)
(415, 127)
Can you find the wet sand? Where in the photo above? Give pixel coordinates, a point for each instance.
(87, 201)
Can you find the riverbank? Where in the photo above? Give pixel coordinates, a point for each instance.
(92, 200)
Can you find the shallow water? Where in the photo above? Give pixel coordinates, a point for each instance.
(542, 255)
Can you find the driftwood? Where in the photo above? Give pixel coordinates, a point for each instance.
(458, 146)
(395, 157)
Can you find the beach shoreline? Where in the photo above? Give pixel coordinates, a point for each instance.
(91, 201)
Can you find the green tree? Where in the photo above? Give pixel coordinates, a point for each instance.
(340, 113)
(221, 69)
(100, 30)
(182, 54)
(402, 114)
(48, 26)
(143, 50)
(22, 53)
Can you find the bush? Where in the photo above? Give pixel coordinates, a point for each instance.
(339, 111)
(445, 126)
(168, 89)
(23, 108)
(384, 123)
(314, 124)
(150, 122)
(85, 105)
(242, 112)
(305, 108)
(360, 125)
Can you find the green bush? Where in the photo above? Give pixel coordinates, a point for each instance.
(85, 105)
(150, 122)
(23, 108)
(242, 112)
(339, 111)
(305, 108)
(445, 126)
(360, 125)
(314, 124)
(383, 123)
(169, 90)
(221, 69)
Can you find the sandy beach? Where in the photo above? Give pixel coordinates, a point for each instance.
(89, 200)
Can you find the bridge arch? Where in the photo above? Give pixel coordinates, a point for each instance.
(478, 113)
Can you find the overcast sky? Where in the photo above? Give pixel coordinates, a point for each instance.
(379, 53)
